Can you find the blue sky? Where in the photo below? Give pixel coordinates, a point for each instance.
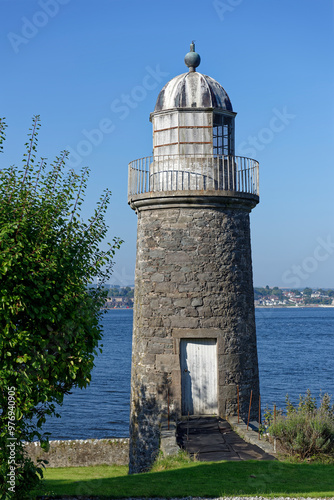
(93, 71)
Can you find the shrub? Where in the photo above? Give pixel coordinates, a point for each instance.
(306, 430)
(49, 314)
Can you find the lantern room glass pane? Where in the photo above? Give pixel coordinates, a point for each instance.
(222, 135)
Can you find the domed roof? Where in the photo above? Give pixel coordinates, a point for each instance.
(193, 90)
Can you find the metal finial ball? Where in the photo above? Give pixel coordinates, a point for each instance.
(192, 59)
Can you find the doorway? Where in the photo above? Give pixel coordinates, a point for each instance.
(198, 360)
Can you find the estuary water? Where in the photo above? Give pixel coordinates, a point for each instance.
(295, 349)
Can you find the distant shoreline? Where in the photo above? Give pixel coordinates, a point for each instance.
(308, 306)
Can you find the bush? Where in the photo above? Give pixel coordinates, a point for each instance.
(306, 430)
(49, 313)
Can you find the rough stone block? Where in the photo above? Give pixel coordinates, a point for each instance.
(157, 277)
(163, 286)
(204, 312)
(177, 257)
(191, 287)
(148, 359)
(155, 322)
(186, 269)
(189, 312)
(209, 322)
(167, 362)
(184, 302)
(197, 302)
(177, 277)
(157, 253)
(181, 322)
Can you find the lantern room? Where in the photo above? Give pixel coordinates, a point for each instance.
(193, 142)
(193, 115)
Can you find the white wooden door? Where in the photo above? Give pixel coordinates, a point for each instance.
(198, 359)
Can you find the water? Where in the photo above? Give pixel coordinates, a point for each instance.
(296, 352)
(102, 409)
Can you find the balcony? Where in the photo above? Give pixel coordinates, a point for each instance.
(193, 175)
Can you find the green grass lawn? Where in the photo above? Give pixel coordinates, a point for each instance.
(210, 479)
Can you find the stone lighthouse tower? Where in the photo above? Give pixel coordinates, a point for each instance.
(194, 340)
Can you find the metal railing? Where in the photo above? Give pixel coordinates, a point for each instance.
(193, 173)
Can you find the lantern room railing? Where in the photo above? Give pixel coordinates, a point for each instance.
(193, 173)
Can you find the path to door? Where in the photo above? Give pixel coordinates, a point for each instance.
(213, 439)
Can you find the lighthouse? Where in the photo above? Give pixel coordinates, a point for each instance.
(194, 339)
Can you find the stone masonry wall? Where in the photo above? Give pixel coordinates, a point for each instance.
(82, 452)
(193, 280)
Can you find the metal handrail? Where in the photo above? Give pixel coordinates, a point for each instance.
(193, 173)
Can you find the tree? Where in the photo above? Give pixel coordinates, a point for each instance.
(49, 316)
(277, 292)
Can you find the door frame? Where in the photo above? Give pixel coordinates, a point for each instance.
(198, 333)
(189, 384)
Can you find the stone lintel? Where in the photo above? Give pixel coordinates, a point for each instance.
(212, 333)
(197, 333)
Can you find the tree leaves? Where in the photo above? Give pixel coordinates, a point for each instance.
(49, 316)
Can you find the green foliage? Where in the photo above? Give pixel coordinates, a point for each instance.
(27, 474)
(121, 292)
(260, 293)
(181, 459)
(307, 404)
(318, 300)
(269, 416)
(306, 431)
(289, 406)
(49, 316)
